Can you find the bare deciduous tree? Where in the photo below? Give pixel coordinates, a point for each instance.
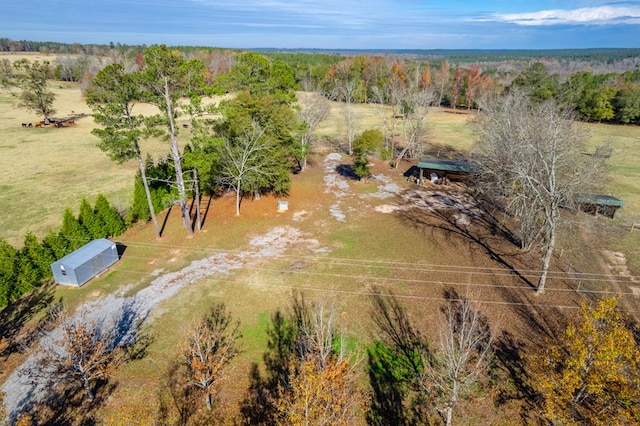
(314, 109)
(87, 352)
(463, 351)
(381, 98)
(206, 350)
(348, 92)
(531, 157)
(322, 386)
(442, 81)
(245, 159)
(415, 107)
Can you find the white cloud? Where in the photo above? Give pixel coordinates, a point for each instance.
(602, 15)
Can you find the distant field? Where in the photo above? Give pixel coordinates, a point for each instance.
(417, 255)
(44, 171)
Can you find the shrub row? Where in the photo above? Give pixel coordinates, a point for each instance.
(22, 270)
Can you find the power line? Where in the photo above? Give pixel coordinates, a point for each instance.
(380, 264)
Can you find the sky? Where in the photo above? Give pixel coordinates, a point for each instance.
(329, 24)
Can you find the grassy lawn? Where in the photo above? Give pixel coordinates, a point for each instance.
(416, 256)
(45, 170)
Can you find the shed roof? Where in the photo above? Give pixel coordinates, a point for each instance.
(86, 252)
(601, 200)
(446, 165)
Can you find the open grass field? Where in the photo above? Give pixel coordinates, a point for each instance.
(416, 253)
(45, 170)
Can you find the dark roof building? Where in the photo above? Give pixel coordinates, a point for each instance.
(445, 165)
(442, 170)
(603, 204)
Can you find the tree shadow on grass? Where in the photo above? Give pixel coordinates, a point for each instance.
(542, 319)
(203, 216)
(509, 372)
(258, 406)
(14, 319)
(65, 405)
(484, 231)
(347, 172)
(394, 362)
(166, 219)
(469, 224)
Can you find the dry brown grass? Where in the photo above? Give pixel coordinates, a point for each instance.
(45, 170)
(31, 56)
(402, 252)
(444, 127)
(395, 251)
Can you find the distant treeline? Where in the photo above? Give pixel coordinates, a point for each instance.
(599, 84)
(603, 55)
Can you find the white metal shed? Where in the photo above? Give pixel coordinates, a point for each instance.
(85, 263)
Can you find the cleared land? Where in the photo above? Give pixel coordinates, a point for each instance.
(351, 235)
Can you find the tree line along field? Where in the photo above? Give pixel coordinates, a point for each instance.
(48, 170)
(255, 292)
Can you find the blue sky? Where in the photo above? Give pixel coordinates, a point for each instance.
(329, 24)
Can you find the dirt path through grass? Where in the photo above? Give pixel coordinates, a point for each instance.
(126, 311)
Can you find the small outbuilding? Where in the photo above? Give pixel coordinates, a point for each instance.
(441, 170)
(78, 267)
(605, 205)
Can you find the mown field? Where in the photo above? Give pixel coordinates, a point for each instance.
(416, 255)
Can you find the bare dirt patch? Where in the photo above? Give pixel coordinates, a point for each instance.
(22, 393)
(620, 274)
(429, 241)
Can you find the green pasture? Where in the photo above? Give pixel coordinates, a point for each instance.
(47, 170)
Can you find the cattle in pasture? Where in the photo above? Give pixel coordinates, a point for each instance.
(24, 124)
(39, 124)
(30, 125)
(186, 126)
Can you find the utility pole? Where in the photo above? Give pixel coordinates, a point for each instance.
(197, 184)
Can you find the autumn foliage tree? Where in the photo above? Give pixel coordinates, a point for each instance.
(309, 376)
(206, 350)
(322, 386)
(86, 353)
(321, 394)
(3, 409)
(591, 374)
